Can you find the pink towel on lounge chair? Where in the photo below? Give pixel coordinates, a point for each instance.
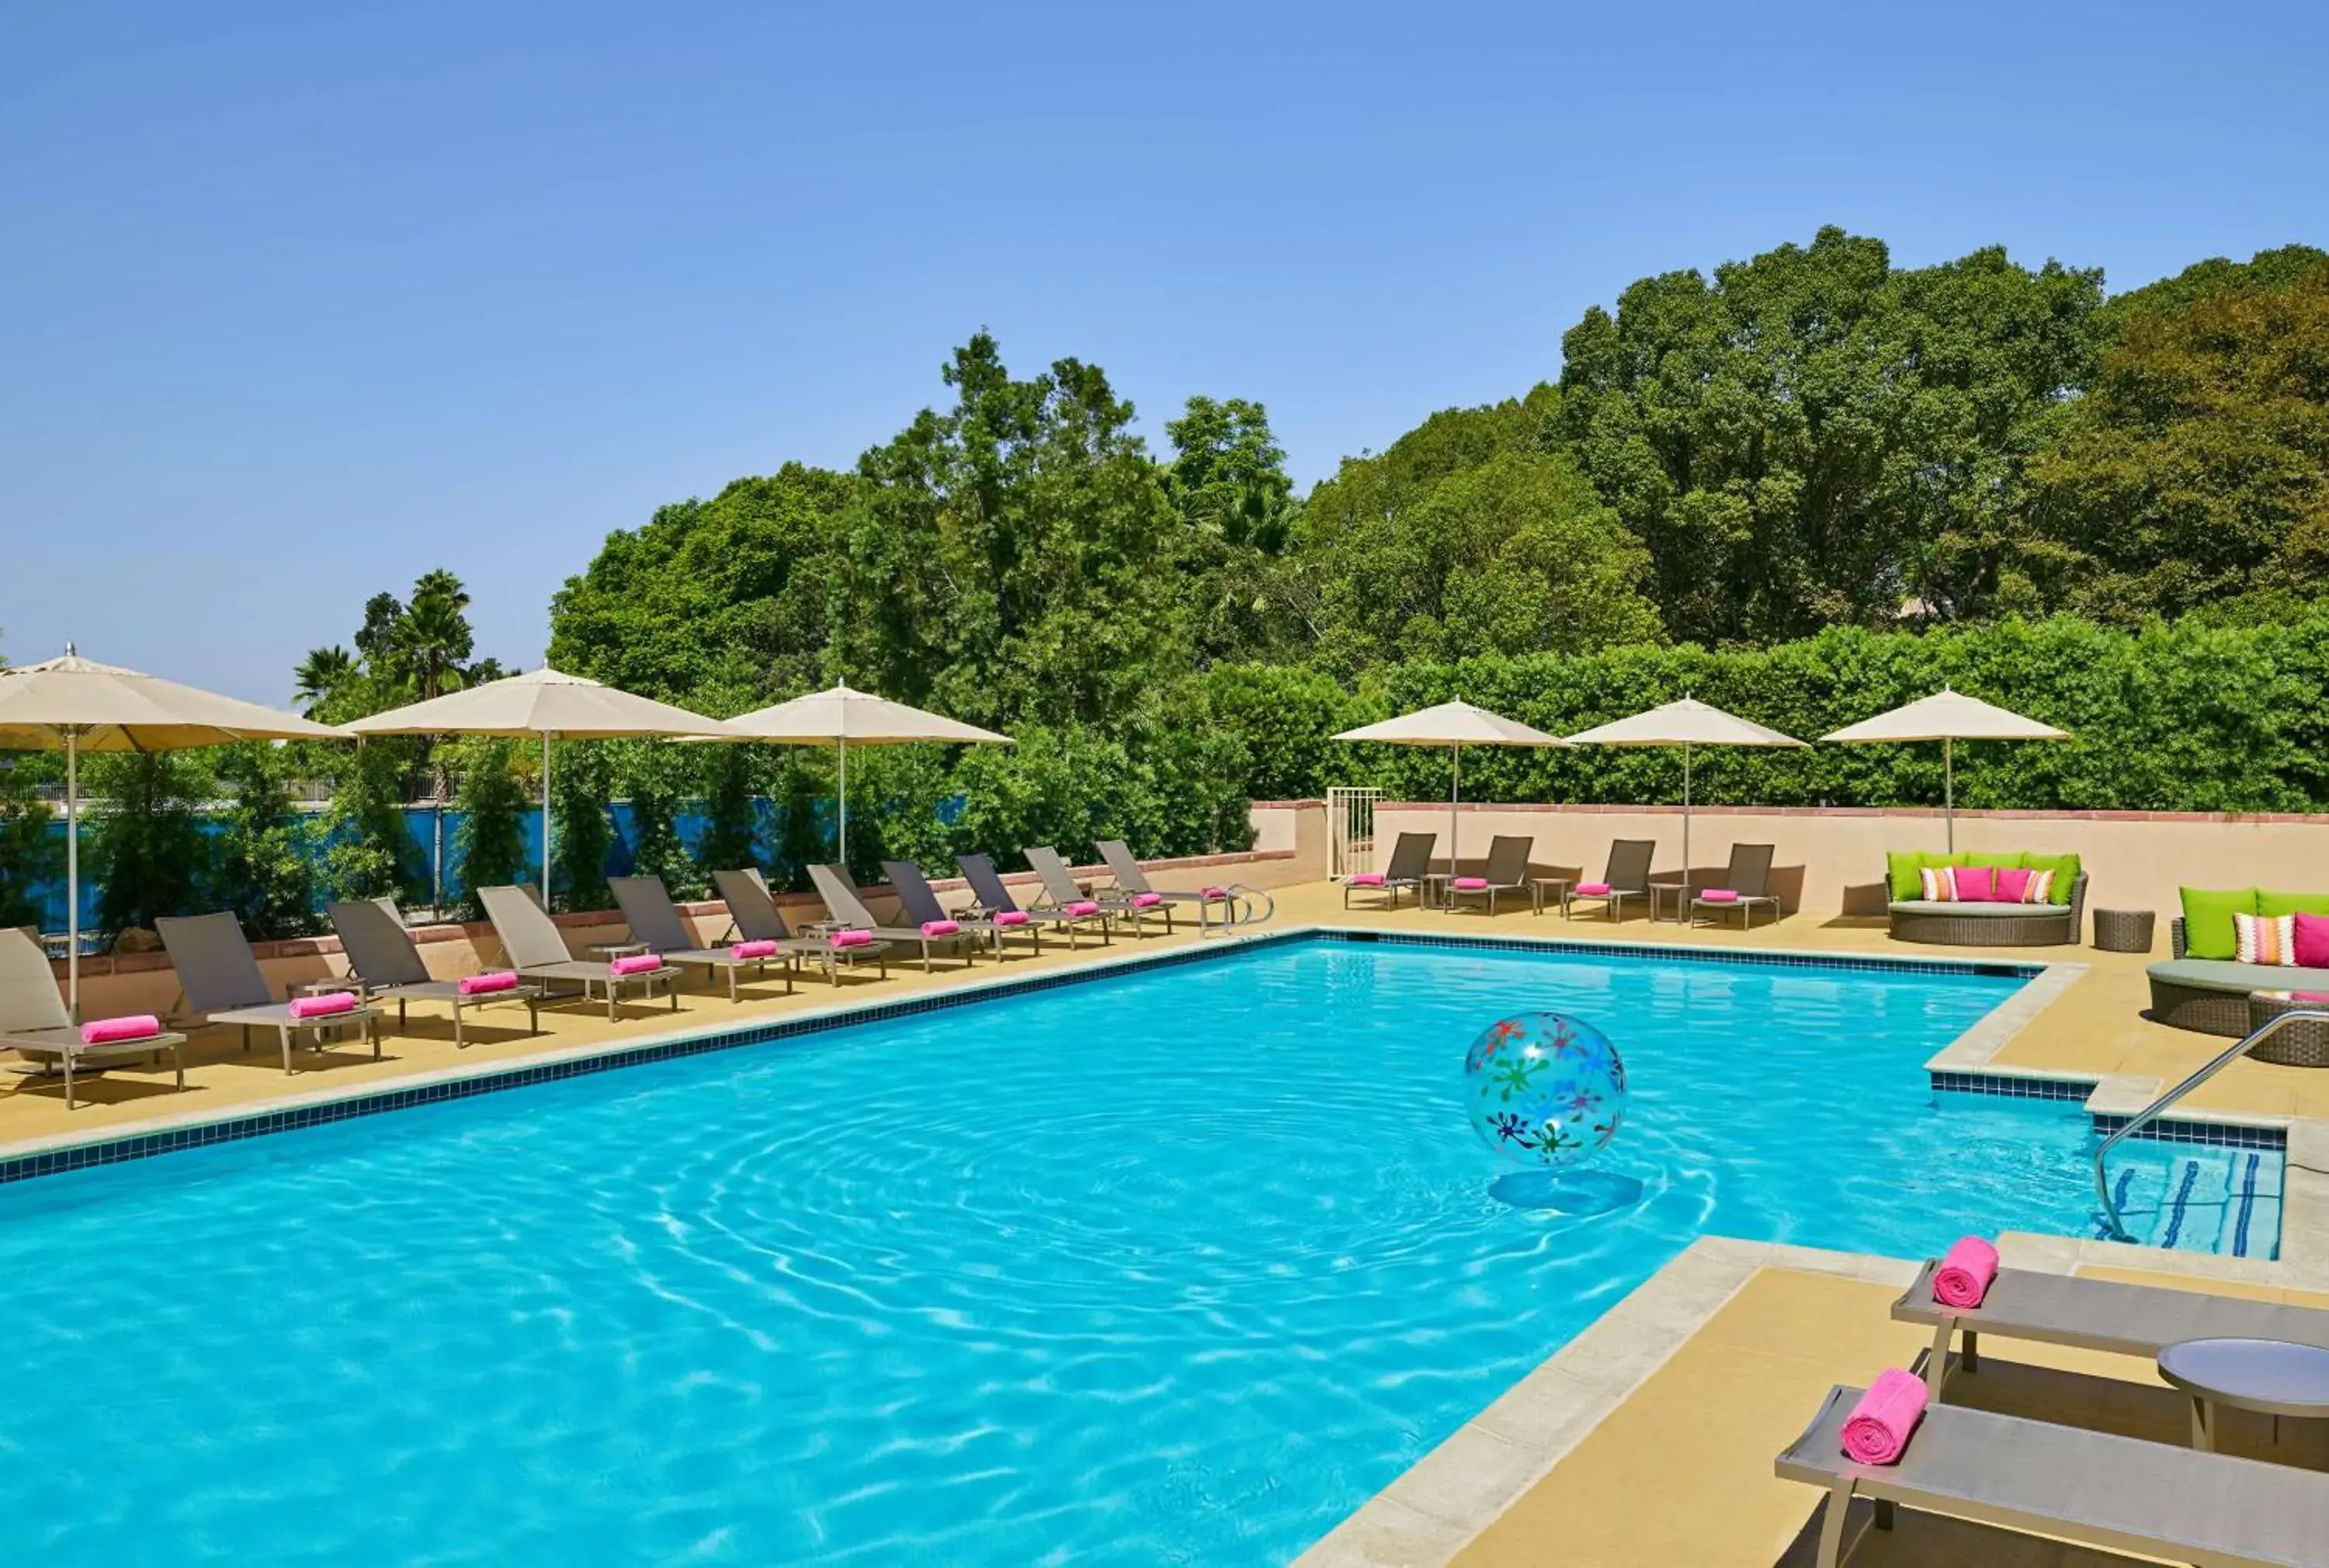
(1368, 879)
(758, 947)
(1011, 917)
(941, 928)
(852, 939)
(1213, 892)
(1083, 906)
(1877, 1431)
(2315, 997)
(325, 1006)
(112, 1031)
(1594, 889)
(1718, 895)
(1147, 900)
(1966, 1269)
(486, 984)
(635, 963)
(1471, 884)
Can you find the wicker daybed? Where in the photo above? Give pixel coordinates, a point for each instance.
(2211, 995)
(1992, 924)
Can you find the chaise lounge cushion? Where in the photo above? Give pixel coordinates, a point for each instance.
(1978, 911)
(2224, 975)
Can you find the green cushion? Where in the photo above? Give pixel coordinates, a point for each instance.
(1901, 865)
(2064, 867)
(2010, 862)
(2269, 902)
(2208, 920)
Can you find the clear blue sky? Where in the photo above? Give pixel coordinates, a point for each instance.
(298, 301)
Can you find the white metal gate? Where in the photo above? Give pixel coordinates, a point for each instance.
(1351, 831)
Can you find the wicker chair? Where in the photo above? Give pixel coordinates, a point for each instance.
(2044, 926)
(2222, 1008)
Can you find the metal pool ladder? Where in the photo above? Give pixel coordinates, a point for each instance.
(2152, 1111)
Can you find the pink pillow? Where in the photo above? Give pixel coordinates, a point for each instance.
(1471, 884)
(2312, 944)
(110, 1031)
(1720, 895)
(2012, 884)
(1594, 889)
(1974, 884)
(853, 939)
(2309, 997)
(1358, 879)
(1151, 900)
(325, 1006)
(758, 947)
(486, 984)
(1011, 917)
(941, 928)
(1083, 907)
(635, 963)
(1213, 892)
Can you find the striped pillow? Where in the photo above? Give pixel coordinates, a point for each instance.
(2267, 939)
(1939, 886)
(2040, 888)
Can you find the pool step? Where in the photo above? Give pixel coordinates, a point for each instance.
(2192, 1199)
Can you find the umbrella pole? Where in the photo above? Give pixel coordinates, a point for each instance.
(73, 876)
(1454, 790)
(545, 821)
(844, 799)
(1685, 821)
(1949, 790)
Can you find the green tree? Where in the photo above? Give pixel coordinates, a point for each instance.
(32, 854)
(265, 866)
(490, 846)
(321, 675)
(582, 781)
(147, 847)
(657, 779)
(732, 830)
(367, 851)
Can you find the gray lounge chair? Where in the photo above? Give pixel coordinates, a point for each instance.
(220, 982)
(2120, 1494)
(1748, 876)
(654, 919)
(754, 915)
(35, 1022)
(847, 907)
(1629, 877)
(1061, 888)
(2093, 1315)
(1132, 880)
(538, 952)
(387, 966)
(994, 898)
(1410, 862)
(1506, 871)
(917, 902)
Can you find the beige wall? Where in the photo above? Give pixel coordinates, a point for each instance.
(1831, 860)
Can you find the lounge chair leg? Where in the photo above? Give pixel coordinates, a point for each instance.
(286, 1033)
(1936, 1359)
(71, 1104)
(1969, 1352)
(460, 1039)
(1839, 1504)
(1883, 1506)
(178, 1060)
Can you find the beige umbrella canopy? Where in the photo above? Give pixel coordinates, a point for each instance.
(547, 704)
(1947, 717)
(1688, 724)
(75, 704)
(1454, 725)
(840, 715)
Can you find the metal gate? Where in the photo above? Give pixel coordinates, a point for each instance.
(1351, 831)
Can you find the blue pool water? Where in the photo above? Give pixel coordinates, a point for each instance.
(1177, 1267)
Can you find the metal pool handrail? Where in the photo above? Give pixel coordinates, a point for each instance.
(2152, 1111)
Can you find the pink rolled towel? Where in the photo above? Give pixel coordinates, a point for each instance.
(1147, 900)
(1719, 895)
(1083, 907)
(758, 947)
(486, 984)
(1213, 892)
(1594, 889)
(110, 1031)
(636, 963)
(1877, 1431)
(852, 939)
(1011, 917)
(2314, 997)
(325, 1006)
(1471, 884)
(1368, 879)
(941, 928)
(1966, 1269)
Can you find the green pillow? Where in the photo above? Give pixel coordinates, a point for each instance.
(2065, 868)
(1901, 865)
(2010, 862)
(2208, 920)
(2292, 903)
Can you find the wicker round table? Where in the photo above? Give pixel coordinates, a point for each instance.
(2123, 930)
(2302, 1044)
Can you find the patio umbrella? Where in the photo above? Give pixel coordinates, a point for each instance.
(1947, 717)
(1454, 725)
(841, 716)
(546, 704)
(1688, 724)
(78, 705)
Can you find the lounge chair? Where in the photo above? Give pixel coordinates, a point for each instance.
(1133, 882)
(1627, 876)
(993, 899)
(918, 903)
(387, 966)
(847, 906)
(1061, 888)
(753, 916)
(1410, 862)
(2094, 1488)
(537, 951)
(220, 982)
(35, 1022)
(1507, 871)
(2137, 1320)
(654, 919)
(1750, 877)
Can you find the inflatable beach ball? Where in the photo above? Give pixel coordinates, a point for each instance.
(1544, 1089)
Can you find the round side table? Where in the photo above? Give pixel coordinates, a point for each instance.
(2266, 1375)
(2302, 1044)
(2123, 930)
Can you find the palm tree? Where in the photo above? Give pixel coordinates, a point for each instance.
(321, 674)
(431, 639)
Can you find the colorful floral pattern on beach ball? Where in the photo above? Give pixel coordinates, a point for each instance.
(1544, 1089)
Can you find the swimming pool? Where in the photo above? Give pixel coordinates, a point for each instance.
(1178, 1265)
